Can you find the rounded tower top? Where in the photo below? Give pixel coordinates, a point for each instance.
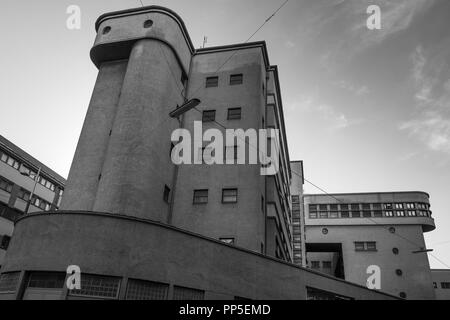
(117, 32)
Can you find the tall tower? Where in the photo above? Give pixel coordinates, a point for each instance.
(122, 164)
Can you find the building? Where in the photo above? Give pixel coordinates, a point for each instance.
(140, 227)
(441, 283)
(347, 233)
(17, 173)
(298, 217)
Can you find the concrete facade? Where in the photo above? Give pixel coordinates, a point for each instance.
(383, 229)
(15, 188)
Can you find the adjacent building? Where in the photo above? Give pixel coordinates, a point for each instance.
(298, 216)
(441, 283)
(347, 233)
(18, 179)
(140, 227)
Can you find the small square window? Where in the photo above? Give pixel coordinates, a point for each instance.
(212, 82)
(367, 214)
(166, 194)
(315, 264)
(378, 213)
(229, 195)
(334, 214)
(323, 214)
(326, 264)
(234, 114)
(208, 115)
(236, 79)
(200, 196)
(371, 246)
(4, 243)
(359, 246)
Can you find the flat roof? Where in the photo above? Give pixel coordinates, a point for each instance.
(361, 193)
(29, 160)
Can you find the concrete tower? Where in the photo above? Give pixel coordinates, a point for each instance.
(122, 162)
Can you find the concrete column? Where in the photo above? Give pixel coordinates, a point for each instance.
(90, 153)
(137, 164)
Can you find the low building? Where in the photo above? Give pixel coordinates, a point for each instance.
(18, 171)
(441, 283)
(349, 232)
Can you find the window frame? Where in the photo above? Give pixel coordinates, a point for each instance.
(229, 189)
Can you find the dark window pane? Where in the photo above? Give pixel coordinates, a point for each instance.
(209, 115)
(236, 79)
(212, 82)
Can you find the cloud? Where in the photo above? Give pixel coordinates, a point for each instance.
(431, 81)
(432, 129)
(344, 24)
(358, 90)
(334, 119)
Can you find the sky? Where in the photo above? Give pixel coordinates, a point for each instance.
(366, 110)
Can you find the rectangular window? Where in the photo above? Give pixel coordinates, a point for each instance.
(355, 207)
(208, 115)
(323, 214)
(333, 207)
(166, 194)
(388, 206)
(411, 213)
(146, 290)
(388, 213)
(313, 215)
(334, 214)
(183, 293)
(356, 214)
(315, 264)
(234, 114)
(229, 195)
(6, 185)
(212, 82)
(326, 264)
(323, 207)
(200, 196)
(376, 206)
(97, 286)
(445, 285)
(9, 281)
(23, 194)
(312, 207)
(344, 206)
(345, 214)
(365, 246)
(399, 206)
(367, 214)
(49, 280)
(236, 79)
(371, 246)
(227, 240)
(400, 213)
(4, 242)
(378, 213)
(366, 206)
(359, 246)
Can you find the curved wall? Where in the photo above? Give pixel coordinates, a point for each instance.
(135, 248)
